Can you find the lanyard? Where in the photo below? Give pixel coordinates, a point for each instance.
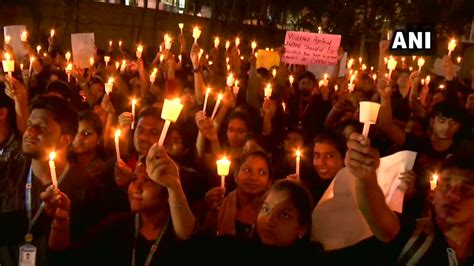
(154, 247)
(29, 181)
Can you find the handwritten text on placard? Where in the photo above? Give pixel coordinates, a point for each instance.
(306, 48)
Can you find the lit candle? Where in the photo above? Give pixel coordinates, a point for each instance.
(24, 36)
(227, 59)
(32, 59)
(350, 63)
(214, 112)
(298, 158)
(434, 182)
(120, 44)
(421, 62)
(223, 167)
(170, 112)
(392, 64)
(117, 134)
(91, 61)
(117, 65)
(68, 56)
(52, 169)
(107, 59)
(403, 60)
(168, 41)
(196, 34)
(38, 49)
(162, 57)
(368, 113)
(427, 80)
(109, 85)
(68, 71)
(458, 59)
(325, 80)
(7, 39)
(237, 42)
(283, 105)
(153, 76)
(201, 52)
(236, 88)
(254, 45)
(181, 26)
(52, 33)
(451, 46)
(268, 91)
(374, 77)
(110, 43)
(413, 58)
(274, 73)
(180, 58)
(230, 80)
(227, 45)
(134, 103)
(371, 68)
(228, 68)
(139, 51)
(336, 88)
(216, 42)
(208, 91)
(8, 65)
(21, 67)
(363, 67)
(351, 84)
(124, 64)
(360, 60)
(291, 79)
(411, 69)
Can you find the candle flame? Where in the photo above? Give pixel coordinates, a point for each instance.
(52, 33)
(216, 42)
(111, 80)
(52, 155)
(7, 56)
(134, 101)
(208, 90)
(140, 48)
(181, 26)
(110, 43)
(117, 134)
(254, 44)
(298, 153)
(237, 41)
(220, 96)
(291, 79)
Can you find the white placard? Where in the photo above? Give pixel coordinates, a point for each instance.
(337, 220)
(439, 70)
(320, 70)
(14, 31)
(83, 48)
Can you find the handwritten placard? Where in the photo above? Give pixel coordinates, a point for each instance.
(337, 220)
(305, 48)
(83, 48)
(14, 31)
(320, 70)
(438, 68)
(267, 59)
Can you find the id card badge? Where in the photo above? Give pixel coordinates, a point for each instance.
(27, 255)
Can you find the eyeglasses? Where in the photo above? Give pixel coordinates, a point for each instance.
(464, 191)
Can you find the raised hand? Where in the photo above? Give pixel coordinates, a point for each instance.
(383, 88)
(123, 173)
(57, 204)
(125, 120)
(361, 159)
(214, 198)
(161, 168)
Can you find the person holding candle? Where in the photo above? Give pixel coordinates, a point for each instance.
(444, 237)
(10, 138)
(236, 214)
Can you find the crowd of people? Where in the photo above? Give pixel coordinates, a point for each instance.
(164, 204)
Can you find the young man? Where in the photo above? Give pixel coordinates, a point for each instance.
(444, 238)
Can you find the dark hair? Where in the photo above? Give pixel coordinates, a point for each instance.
(448, 110)
(151, 112)
(332, 137)
(62, 88)
(307, 75)
(300, 198)
(8, 103)
(93, 119)
(461, 160)
(62, 113)
(259, 154)
(241, 116)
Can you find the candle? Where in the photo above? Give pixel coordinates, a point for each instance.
(91, 61)
(68, 56)
(351, 84)
(428, 79)
(368, 113)
(283, 105)
(201, 52)
(227, 59)
(117, 134)
(109, 85)
(107, 59)
(8, 65)
(124, 64)
(120, 44)
(110, 43)
(403, 60)
(181, 26)
(374, 77)
(392, 64)
(236, 88)
(274, 72)
(451, 46)
(291, 79)
(216, 42)
(268, 91)
(208, 91)
(38, 49)
(196, 34)
(363, 67)
(32, 59)
(458, 59)
(434, 182)
(139, 51)
(371, 68)
(325, 80)
(68, 71)
(168, 42)
(21, 67)
(411, 69)
(230, 80)
(360, 60)
(152, 77)
(223, 167)
(413, 58)
(228, 68)
(134, 102)
(237, 42)
(421, 62)
(52, 168)
(254, 45)
(180, 58)
(162, 57)
(7, 39)
(24, 36)
(117, 65)
(336, 88)
(227, 45)
(350, 63)
(219, 98)
(298, 158)
(52, 33)
(170, 112)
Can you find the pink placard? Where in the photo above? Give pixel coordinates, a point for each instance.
(304, 48)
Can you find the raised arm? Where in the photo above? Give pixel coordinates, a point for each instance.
(385, 121)
(198, 80)
(362, 161)
(18, 92)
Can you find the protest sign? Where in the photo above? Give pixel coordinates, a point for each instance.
(14, 31)
(83, 48)
(305, 48)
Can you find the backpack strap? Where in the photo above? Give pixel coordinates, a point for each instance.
(418, 244)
